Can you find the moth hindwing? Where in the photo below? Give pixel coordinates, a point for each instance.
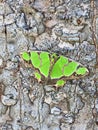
(54, 69)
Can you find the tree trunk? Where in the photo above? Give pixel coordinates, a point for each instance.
(67, 27)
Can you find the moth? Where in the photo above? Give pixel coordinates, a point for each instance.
(54, 69)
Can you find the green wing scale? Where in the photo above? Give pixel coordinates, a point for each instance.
(44, 64)
(57, 70)
(54, 68)
(41, 61)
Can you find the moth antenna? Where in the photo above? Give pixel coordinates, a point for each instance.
(18, 57)
(49, 51)
(35, 49)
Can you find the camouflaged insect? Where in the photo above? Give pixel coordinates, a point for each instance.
(54, 69)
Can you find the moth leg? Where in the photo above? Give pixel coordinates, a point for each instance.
(37, 76)
(60, 83)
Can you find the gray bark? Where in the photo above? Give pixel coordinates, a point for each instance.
(67, 27)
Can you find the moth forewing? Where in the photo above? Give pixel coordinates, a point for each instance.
(67, 70)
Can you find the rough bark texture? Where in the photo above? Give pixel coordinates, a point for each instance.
(68, 27)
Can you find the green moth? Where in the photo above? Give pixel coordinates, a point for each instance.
(54, 69)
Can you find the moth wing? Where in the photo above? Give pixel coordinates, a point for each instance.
(57, 70)
(35, 59)
(45, 63)
(61, 68)
(67, 69)
(70, 68)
